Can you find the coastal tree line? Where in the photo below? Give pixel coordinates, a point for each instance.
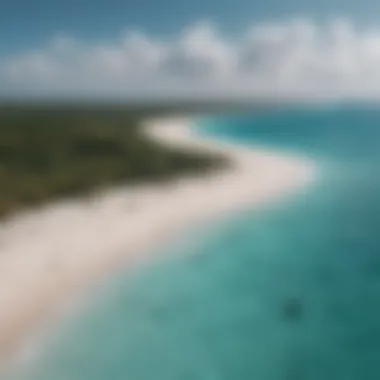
(49, 153)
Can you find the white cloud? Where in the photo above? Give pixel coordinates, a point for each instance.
(296, 58)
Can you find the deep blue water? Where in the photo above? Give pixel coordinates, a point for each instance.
(220, 307)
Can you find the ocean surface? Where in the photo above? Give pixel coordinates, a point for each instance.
(290, 292)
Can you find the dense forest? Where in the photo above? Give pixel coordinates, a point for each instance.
(48, 153)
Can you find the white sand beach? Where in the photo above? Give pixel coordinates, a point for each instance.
(46, 255)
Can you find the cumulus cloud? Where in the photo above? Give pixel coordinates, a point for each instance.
(292, 59)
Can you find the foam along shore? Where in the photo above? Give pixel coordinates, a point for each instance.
(47, 255)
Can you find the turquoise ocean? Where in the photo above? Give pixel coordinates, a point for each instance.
(288, 292)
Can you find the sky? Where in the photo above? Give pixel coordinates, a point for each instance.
(198, 48)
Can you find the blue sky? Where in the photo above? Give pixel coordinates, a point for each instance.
(194, 48)
(30, 23)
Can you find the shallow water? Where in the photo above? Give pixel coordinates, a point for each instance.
(290, 293)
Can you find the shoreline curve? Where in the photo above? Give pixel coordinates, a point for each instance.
(47, 255)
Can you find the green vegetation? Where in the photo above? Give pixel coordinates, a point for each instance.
(55, 152)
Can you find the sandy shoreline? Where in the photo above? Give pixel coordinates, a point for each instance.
(46, 255)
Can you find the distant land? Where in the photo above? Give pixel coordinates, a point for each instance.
(141, 107)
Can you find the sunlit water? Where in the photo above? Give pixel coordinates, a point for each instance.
(288, 293)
